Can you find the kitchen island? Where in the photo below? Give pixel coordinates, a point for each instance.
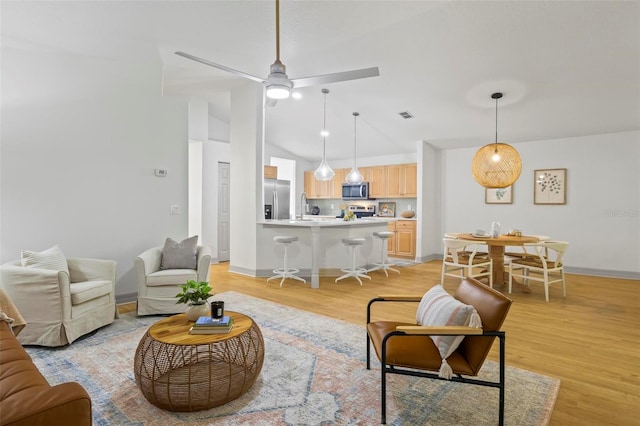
(319, 249)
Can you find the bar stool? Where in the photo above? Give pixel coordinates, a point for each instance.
(352, 243)
(285, 272)
(383, 264)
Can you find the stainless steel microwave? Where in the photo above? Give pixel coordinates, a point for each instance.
(358, 191)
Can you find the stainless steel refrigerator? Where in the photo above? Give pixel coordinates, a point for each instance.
(276, 198)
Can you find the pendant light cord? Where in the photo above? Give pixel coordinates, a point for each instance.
(355, 137)
(496, 123)
(324, 126)
(277, 30)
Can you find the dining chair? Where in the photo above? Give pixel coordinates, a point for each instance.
(522, 250)
(462, 255)
(544, 265)
(456, 236)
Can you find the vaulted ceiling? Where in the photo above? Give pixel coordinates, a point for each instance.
(565, 68)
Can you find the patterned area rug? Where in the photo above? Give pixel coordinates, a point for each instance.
(314, 373)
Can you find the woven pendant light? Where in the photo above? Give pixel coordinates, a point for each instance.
(496, 165)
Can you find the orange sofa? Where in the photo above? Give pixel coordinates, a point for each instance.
(26, 398)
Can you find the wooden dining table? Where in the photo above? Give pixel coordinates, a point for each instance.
(496, 250)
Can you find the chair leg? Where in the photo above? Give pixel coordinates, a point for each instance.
(564, 286)
(546, 285)
(383, 386)
(502, 339)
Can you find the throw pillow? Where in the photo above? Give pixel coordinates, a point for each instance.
(439, 308)
(51, 258)
(180, 255)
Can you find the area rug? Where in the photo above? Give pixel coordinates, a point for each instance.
(314, 374)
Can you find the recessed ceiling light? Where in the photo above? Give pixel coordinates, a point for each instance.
(405, 114)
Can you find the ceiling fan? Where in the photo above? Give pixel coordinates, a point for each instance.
(278, 85)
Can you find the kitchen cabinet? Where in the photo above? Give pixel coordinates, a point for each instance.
(270, 172)
(336, 183)
(377, 178)
(392, 181)
(403, 242)
(401, 180)
(315, 188)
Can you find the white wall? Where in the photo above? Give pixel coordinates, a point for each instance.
(601, 219)
(80, 140)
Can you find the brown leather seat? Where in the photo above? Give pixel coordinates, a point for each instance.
(27, 399)
(403, 350)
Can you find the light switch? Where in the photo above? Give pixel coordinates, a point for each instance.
(175, 209)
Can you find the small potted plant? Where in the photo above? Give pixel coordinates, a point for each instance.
(195, 295)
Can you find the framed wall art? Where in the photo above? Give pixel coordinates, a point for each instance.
(498, 195)
(550, 186)
(387, 209)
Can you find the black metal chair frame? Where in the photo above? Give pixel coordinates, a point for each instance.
(408, 372)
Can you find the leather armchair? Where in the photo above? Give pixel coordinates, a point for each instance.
(407, 348)
(157, 288)
(60, 307)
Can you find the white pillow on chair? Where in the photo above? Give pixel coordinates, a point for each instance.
(51, 258)
(439, 308)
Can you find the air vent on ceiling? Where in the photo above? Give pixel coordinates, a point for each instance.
(405, 114)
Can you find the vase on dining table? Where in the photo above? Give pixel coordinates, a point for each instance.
(495, 229)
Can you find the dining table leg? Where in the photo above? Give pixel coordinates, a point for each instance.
(496, 254)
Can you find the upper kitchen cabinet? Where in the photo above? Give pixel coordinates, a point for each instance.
(315, 188)
(377, 178)
(336, 183)
(392, 181)
(270, 172)
(402, 180)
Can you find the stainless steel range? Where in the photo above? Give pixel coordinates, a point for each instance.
(362, 211)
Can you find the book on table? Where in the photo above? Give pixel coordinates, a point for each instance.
(206, 321)
(204, 325)
(210, 330)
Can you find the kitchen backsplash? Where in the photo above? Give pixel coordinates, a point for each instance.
(331, 207)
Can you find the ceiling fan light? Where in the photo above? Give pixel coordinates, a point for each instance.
(278, 91)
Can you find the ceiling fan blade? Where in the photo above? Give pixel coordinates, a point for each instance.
(268, 102)
(336, 77)
(222, 67)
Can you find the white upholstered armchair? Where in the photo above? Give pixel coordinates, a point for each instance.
(157, 288)
(58, 306)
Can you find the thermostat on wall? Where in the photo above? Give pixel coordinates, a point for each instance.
(160, 172)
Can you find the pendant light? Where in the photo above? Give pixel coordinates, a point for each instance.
(354, 175)
(324, 172)
(496, 165)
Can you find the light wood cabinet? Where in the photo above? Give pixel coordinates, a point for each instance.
(336, 183)
(315, 188)
(377, 178)
(402, 180)
(403, 243)
(392, 181)
(270, 172)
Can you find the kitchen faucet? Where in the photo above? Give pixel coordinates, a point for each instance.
(303, 205)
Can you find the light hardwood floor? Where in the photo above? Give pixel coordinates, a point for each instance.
(590, 340)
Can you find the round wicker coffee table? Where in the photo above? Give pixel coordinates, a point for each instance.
(178, 371)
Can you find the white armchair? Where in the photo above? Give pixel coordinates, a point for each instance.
(157, 288)
(60, 307)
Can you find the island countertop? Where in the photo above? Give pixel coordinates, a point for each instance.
(323, 222)
(319, 249)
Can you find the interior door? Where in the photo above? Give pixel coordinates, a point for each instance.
(224, 211)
